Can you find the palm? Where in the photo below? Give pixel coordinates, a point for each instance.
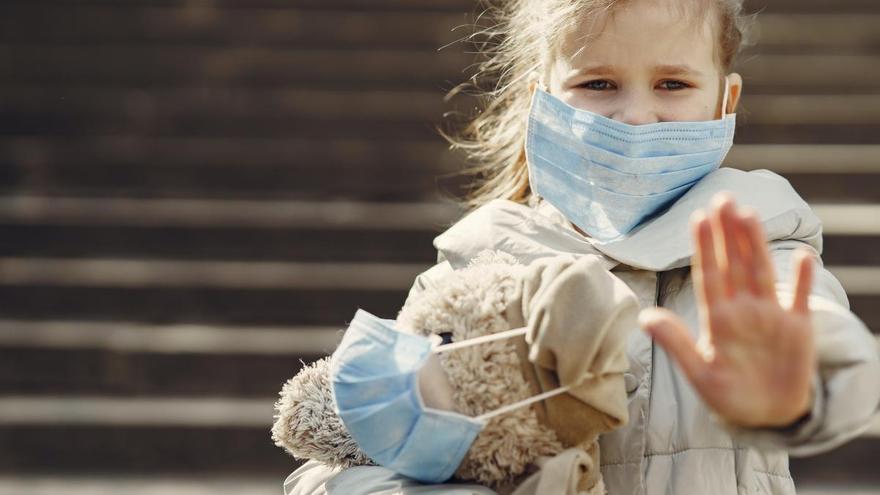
(754, 358)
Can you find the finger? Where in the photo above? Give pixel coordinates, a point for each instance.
(726, 231)
(672, 334)
(761, 268)
(803, 269)
(707, 276)
(742, 240)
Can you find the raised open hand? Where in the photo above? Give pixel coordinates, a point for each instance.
(754, 359)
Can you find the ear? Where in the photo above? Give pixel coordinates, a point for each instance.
(533, 83)
(736, 84)
(534, 79)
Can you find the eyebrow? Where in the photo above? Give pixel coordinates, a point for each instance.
(678, 69)
(681, 69)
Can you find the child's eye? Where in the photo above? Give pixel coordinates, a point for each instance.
(676, 85)
(596, 85)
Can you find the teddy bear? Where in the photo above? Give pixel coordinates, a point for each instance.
(577, 316)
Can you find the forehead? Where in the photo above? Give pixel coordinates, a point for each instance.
(642, 33)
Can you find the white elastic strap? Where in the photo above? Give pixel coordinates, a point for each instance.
(516, 405)
(490, 338)
(481, 340)
(724, 100)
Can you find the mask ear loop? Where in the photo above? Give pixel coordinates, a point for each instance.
(724, 100)
(538, 80)
(523, 403)
(499, 336)
(481, 340)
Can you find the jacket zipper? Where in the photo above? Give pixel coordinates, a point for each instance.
(657, 288)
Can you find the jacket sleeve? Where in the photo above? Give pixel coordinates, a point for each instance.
(314, 478)
(846, 384)
(428, 278)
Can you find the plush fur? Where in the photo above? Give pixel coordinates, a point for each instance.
(306, 424)
(469, 303)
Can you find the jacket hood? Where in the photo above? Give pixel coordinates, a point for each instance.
(661, 243)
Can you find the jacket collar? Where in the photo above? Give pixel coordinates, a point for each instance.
(662, 243)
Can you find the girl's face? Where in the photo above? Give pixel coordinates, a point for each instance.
(643, 63)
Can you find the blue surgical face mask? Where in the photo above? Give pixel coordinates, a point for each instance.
(606, 176)
(375, 384)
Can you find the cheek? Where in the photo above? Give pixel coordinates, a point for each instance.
(582, 100)
(690, 111)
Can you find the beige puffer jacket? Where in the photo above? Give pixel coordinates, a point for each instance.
(672, 444)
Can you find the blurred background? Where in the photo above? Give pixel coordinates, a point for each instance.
(196, 195)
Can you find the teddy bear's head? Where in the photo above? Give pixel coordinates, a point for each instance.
(470, 303)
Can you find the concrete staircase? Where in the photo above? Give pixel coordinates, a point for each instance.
(196, 196)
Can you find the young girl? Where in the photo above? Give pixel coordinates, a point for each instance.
(605, 136)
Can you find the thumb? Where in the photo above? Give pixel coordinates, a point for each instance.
(672, 334)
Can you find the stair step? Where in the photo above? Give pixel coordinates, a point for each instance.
(360, 169)
(166, 412)
(793, 6)
(227, 484)
(401, 115)
(188, 243)
(137, 412)
(404, 114)
(73, 358)
(136, 337)
(847, 465)
(346, 5)
(51, 124)
(272, 307)
(107, 442)
(218, 229)
(208, 24)
(145, 450)
(352, 156)
(109, 65)
(836, 187)
(162, 305)
(266, 275)
(107, 483)
(832, 489)
(41, 371)
(322, 245)
(468, 5)
(824, 32)
(354, 169)
(807, 158)
(43, 227)
(138, 359)
(259, 275)
(805, 109)
(202, 213)
(303, 245)
(857, 220)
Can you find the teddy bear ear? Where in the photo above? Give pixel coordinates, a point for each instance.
(306, 424)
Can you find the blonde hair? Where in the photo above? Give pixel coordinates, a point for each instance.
(515, 46)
